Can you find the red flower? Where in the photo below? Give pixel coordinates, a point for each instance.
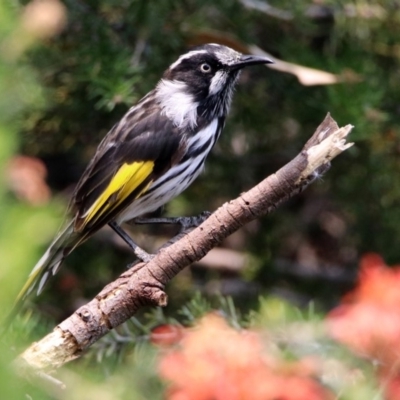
(368, 320)
(26, 177)
(216, 362)
(166, 335)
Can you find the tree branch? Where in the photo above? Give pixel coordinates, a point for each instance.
(144, 283)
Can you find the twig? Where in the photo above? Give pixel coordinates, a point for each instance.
(266, 8)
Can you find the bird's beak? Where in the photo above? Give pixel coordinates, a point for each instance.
(248, 59)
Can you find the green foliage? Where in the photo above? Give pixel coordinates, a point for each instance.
(23, 228)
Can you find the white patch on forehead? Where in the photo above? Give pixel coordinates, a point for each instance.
(177, 103)
(217, 82)
(185, 56)
(227, 56)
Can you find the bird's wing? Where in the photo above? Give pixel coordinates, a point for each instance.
(133, 154)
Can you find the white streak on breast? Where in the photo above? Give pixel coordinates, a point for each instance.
(170, 186)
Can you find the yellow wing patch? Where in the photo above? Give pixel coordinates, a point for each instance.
(124, 182)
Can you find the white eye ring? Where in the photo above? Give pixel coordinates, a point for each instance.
(206, 68)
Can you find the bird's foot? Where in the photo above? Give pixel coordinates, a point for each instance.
(139, 252)
(184, 222)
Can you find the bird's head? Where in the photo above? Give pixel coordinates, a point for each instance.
(201, 82)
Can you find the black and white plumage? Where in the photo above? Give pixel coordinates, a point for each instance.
(153, 154)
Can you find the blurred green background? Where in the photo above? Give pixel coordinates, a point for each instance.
(63, 89)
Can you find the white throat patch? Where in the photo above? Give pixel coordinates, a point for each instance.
(177, 103)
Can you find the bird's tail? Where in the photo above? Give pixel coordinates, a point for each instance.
(47, 266)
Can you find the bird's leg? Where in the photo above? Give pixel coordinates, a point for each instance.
(139, 252)
(184, 222)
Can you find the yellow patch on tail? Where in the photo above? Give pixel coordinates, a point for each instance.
(124, 182)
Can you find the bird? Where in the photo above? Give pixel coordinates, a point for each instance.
(151, 155)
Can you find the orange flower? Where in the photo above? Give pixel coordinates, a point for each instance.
(216, 362)
(26, 177)
(368, 320)
(166, 335)
(391, 385)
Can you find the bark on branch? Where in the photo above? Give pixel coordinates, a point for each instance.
(144, 283)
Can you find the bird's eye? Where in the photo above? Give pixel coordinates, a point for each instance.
(206, 68)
